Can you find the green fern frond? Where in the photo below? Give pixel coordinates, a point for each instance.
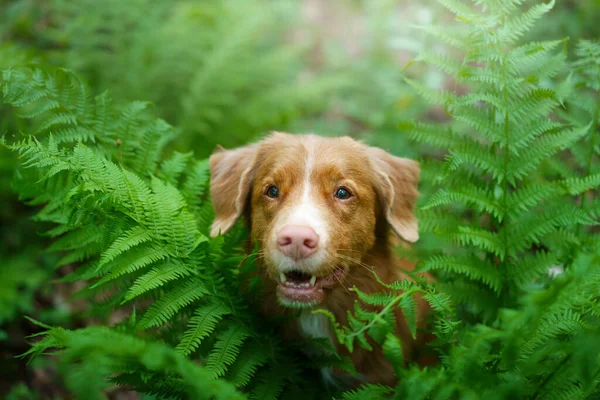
(77, 238)
(430, 95)
(226, 349)
(158, 277)
(526, 197)
(541, 149)
(376, 299)
(516, 27)
(132, 261)
(531, 53)
(409, 309)
(271, 383)
(479, 238)
(171, 303)
(530, 266)
(429, 133)
(115, 348)
(579, 185)
(474, 268)
(132, 238)
(444, 62)
(172, 169)
(461, 10)
(392, 349)
(368, 392)
(568, 323)
(201, 325)
(251, 358)
(439, 301)
(151, 143)
(468, 194)
(534, 228)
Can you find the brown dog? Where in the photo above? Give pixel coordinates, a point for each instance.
(321, 210)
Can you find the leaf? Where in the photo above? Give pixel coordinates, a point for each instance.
(376, 298)
(473, 267)
(579, 185)
(201, 325)
(409, 309)
(470, 195)
(171, 303)
(226, 349)
(369, 392)
(134, 260)
(270, 383)
(171, 169)
(134, 237)
(157, 277)
(247, 363)
(392, 349)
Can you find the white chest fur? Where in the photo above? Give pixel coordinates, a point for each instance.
(317, 326)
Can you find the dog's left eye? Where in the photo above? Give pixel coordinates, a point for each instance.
(272, 192)
(343, 193)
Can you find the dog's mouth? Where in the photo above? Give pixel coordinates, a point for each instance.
(299, 289)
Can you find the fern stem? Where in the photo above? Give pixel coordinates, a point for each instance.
(504, 223)
(385, 310)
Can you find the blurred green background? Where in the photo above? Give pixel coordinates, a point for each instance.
(223, 72)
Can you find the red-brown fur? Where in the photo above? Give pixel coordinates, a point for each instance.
(385, 189)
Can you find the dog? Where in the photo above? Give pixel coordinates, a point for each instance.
(322, 211)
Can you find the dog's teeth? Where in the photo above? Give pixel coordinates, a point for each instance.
(313, 280)
(282, 276)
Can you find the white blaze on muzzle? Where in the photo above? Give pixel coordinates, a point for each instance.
(303, 212)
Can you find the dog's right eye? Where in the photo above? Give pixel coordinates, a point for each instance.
(272, 192)
(343, 193)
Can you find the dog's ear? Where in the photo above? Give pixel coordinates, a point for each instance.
(231, 173)
(397, 180)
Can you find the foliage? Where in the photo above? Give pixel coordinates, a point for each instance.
(137, 228)
(509, 212)
(196, 62)
(521, 334)
(501, 133)
(582, 98)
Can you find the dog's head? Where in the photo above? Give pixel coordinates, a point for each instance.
(315, 206)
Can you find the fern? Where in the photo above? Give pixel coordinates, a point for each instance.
(518, 329)
(583, 107)
(508, 116)
(131, 238)
(110, 346)
(219, 93)
(136, 227)
(202, 324)
(246, 365)
(226, 349)
(512, 199)
(370, 392)
(157, 277)
(167, 306)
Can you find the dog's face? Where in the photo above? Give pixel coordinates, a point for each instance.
(316, 206)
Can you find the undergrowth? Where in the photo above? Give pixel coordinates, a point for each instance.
(514, 203)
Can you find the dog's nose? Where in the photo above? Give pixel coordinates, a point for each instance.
(297, 241)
